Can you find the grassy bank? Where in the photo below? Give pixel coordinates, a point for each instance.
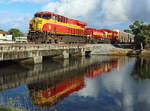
(130, 52)
(2, 108)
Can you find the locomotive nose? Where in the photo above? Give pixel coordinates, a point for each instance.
(34, 24)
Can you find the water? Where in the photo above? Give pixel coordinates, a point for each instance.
(98, 83)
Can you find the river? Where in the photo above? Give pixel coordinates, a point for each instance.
(96, 83)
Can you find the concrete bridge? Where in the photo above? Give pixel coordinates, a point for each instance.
(37, 51)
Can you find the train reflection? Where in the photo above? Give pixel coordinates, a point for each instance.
(103, 68)
(54, 93)
(46, 94)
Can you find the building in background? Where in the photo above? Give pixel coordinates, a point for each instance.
(5, 37)
(21, 39)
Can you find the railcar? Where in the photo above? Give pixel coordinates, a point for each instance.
(47, 27)
(102, 35)
(95, 35)
(125, 37)
(110, 36)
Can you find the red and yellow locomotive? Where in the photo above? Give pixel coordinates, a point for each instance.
(47, 27)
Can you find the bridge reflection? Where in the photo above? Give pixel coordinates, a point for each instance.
(49, 92)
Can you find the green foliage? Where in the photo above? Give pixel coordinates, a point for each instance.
(1, 30)
(128, 31)
(15, 32)
(141, 32)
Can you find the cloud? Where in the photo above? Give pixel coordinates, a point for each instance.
(112, 14)
(72, 8)
(91, 89)
(102, 13)
(138, 9)
(115, 10)
(14, 20)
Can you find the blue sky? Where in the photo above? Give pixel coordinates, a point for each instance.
(112, 14)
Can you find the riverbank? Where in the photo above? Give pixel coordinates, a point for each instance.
(109, 49)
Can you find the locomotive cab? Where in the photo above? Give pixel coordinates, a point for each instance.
(36, 24)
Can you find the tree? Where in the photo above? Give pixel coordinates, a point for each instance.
(1, 30)
(141, 32)
(15, 32)
(128, 31)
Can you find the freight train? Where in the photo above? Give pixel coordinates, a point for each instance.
(47, 27)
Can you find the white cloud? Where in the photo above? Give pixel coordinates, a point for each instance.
(115, 10)
(91, 89)
(14, 20)
(112, 14)
(72, 8)
(102, 13)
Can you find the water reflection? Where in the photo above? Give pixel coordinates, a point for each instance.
(97, 83)
(51, 91)
(142, 69)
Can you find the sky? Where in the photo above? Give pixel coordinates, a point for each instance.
(111, 14)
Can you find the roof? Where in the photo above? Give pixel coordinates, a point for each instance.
(3, 32)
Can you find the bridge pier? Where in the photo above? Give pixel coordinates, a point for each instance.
(66, 62)
(66, 54)
(38, 59)
(82, 52)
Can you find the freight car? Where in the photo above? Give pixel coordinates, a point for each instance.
(125, 37)
(47, 27)
(102, 35)
(95, 35)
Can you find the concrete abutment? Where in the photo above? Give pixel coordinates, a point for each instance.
(37, 59)
(66, 54)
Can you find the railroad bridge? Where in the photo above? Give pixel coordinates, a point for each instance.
(38, 51)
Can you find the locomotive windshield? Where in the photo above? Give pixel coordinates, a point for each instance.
(45, 16)
(38, 15)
